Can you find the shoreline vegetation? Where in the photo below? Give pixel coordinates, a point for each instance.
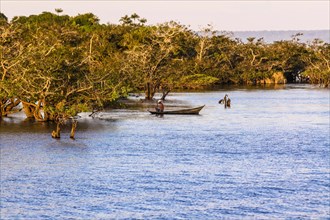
(55, 66)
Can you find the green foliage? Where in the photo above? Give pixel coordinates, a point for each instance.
(198, 81)
(3, 18)
(58, 10)
(133, 20)
(318, 63)
(86, 22)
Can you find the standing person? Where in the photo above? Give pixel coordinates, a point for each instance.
(160, 106)
(226, 101)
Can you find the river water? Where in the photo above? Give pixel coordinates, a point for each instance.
(267, 157)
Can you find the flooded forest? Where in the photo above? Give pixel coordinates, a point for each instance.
(55, 66)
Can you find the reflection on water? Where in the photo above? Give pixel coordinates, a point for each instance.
(266, 157)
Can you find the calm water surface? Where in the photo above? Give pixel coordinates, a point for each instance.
(268, 157)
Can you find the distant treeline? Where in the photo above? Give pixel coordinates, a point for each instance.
(272, 36)
(58, 65)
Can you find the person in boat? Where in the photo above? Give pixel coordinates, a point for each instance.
(160, 106)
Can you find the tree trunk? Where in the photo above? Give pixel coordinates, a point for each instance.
(7, 105)
(49, 116)
(73, 128)
(149, 91)
(37, 113)
(57, 133)
(28, 110)
(1, 110)
(165, 93)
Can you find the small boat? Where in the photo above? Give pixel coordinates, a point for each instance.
(188, 111)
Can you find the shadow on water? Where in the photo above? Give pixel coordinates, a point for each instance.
(17, 123)
(263, 87)
(251, 87)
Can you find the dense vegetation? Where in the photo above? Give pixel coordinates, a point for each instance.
(58, 66)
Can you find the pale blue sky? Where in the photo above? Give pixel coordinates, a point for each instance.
(223, 15)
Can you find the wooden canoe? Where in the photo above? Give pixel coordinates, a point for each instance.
(188, 111)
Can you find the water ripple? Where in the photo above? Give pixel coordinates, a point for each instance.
(247, 162)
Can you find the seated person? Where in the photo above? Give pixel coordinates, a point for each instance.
(160, 106)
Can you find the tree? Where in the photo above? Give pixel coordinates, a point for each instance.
(49, 78)
(133, 20)
(318, 69)
(149, 53)
(58, 10)
(12, 54)
(204, 43)
(3, 18)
